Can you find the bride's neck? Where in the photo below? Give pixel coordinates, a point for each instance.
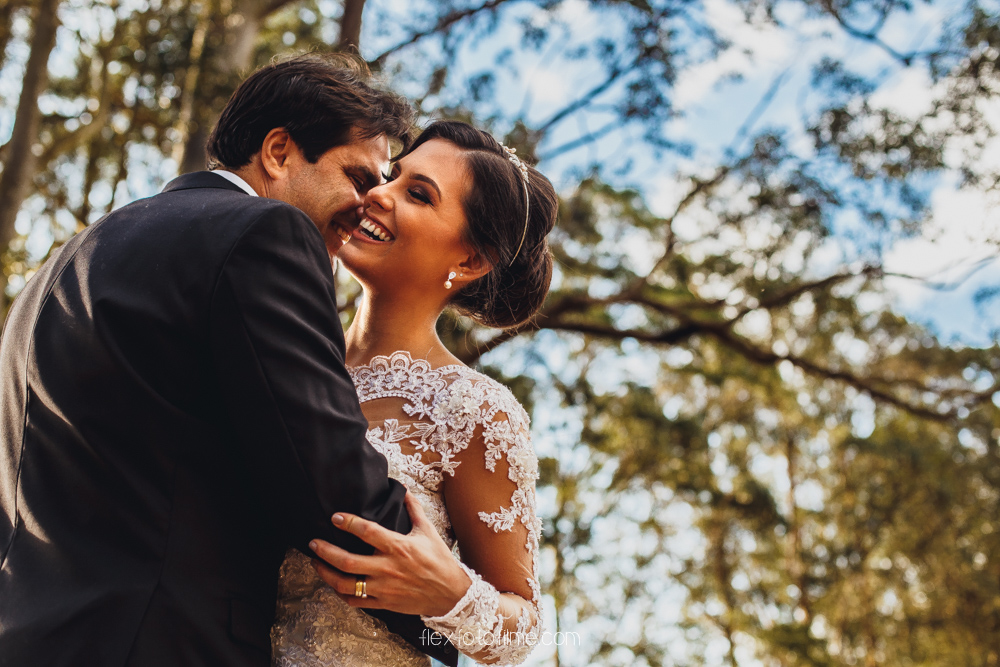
(384, 325)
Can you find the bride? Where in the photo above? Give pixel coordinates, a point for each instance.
(461, 222)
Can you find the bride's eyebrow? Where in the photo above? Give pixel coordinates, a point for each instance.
(428, 180)
(416, 176)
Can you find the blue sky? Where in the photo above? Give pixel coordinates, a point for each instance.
(715, 98)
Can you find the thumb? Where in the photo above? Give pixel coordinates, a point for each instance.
(417, 515)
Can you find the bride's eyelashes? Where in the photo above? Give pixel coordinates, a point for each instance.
(419, 195)
(416, 193)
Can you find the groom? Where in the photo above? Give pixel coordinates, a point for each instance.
(175, 407)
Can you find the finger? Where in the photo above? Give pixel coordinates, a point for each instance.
(368, 531)
(417, 515)
(343, 560)
(343, 584)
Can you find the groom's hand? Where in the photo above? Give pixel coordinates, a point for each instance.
(411, 574)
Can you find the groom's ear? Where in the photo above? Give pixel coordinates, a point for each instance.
(275, 152)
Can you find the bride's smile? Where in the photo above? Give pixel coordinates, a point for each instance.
(413, 233)
(374, 231)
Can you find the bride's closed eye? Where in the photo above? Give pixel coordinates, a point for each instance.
(416, 193)
(419, 195)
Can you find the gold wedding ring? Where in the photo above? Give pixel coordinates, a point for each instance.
(360, 588)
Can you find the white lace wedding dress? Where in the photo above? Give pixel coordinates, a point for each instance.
(432, 422)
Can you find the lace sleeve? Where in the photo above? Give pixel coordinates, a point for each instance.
(490, 497)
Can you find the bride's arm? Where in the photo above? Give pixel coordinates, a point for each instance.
(491, 505)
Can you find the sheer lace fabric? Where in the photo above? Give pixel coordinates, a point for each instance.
(435, 426)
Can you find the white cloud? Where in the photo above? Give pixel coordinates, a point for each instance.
(755, 48)
(909, 93)
(964, 231)
(549, 86)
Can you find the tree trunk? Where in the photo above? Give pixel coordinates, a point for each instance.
(19, 165)
(6, 27)
(223, 68)
(350, 25)
(183, 154)
(233, 57)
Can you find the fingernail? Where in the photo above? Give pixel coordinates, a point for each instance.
(338, 519)
(313, 545)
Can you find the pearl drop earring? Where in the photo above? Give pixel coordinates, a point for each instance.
(447, 283)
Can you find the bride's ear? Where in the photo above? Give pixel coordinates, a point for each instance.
(474, 266)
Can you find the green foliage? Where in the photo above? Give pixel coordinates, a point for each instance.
(746, 453)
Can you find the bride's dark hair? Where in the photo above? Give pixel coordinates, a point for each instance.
(516, 286)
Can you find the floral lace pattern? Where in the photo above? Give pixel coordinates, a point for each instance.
(441, 409)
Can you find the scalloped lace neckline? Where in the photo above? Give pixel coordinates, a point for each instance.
(405, 356)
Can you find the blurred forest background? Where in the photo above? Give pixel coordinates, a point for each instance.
(750, 453)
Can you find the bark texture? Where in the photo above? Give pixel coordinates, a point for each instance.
(350, 25)
(20, 159)
(221, 67)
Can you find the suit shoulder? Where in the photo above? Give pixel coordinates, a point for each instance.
(214, 203)
(206, 218)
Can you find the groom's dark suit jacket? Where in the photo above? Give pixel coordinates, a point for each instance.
(175, 414)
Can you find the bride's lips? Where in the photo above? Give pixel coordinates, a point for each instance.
(371, 230)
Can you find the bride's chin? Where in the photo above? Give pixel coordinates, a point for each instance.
(354, 266)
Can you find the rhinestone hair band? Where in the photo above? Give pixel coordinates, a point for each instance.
(523, 169)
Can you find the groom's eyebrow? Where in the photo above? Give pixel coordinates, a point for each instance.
(368, 177)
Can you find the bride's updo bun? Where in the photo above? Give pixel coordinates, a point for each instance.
(516, 286)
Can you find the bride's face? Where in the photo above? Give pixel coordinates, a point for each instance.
(412, 235)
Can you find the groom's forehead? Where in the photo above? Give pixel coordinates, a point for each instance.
(370, 155)
(365, 158)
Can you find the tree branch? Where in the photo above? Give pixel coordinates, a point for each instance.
(85, 133)
(870, 35)
(581, 102)
(7, 10)
(757, 111)
(766, 357)
(350, 25)
(581, 141)
(444, 23)
(700, 186)
(786, 297)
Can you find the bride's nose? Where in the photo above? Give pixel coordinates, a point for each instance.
(379, 196)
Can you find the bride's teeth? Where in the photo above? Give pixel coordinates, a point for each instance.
(374, 230)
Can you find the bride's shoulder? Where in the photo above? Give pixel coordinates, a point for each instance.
(470, 389)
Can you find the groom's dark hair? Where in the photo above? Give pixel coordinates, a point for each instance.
(318, 98)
